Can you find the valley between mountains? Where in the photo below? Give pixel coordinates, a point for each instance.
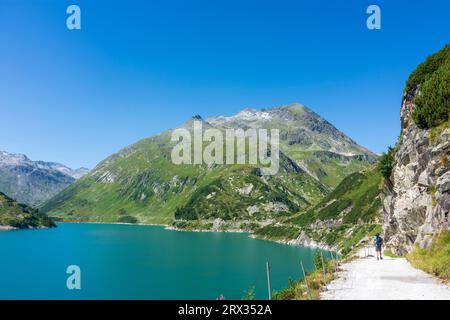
(329, 191)
(140, 184)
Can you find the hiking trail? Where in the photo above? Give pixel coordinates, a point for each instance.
(365, 278)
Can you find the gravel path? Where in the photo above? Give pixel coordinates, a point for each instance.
(391, 279)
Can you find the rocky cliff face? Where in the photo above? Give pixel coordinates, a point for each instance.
(416, 198)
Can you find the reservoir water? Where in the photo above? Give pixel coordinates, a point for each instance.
(142, 262)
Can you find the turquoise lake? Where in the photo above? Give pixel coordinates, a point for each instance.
(142, 262)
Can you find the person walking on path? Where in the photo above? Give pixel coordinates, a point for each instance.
(378, 241)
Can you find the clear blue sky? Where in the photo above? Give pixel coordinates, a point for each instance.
(139, 67)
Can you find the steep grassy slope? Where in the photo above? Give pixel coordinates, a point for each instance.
(17, 215)
(242, 193)
(139, 181)
(329, 167)
(341, 219)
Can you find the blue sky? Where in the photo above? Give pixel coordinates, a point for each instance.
(137, 68)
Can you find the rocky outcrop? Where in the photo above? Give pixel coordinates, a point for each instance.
(304, 240)
(416, 198)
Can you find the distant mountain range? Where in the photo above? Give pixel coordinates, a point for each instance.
(141, 184)
(34, 182)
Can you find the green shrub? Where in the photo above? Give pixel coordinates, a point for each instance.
(278, 232)
(127, 219)
(428, 67)
(297, 289)
(249, 294)
(386, 163)
(321, 262)
(435, 132)
(432, 106)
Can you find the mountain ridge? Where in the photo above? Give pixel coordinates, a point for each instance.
(34, 182)
(312, 122)
(141, 184)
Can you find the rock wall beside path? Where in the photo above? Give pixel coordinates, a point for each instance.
(416, 198)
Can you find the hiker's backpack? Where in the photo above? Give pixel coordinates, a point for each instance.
(378, 241)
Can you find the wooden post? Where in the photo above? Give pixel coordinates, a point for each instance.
(335, 262)
(323, 268)
(268, 279)
(306, 280)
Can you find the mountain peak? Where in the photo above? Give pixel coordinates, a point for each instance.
(295, 107)
(32, 182)
(12, 157)
(302, 129)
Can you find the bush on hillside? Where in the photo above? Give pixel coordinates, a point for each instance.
(127, 219)
(386, 163)
(428, 67)
(432, 106)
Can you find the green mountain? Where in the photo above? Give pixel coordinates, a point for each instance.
(315, 144)
(141, 184)
(340, 220)
(15, 215)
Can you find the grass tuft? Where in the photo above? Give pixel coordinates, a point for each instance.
(436, 258)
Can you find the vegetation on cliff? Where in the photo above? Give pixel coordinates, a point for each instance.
(426, 68)
(386, 163)
(432, 105)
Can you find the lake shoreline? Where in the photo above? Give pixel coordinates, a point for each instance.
(153, 262)
(11, 228)
(290, 242)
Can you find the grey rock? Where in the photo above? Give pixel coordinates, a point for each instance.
(416, 199)
(33, 182)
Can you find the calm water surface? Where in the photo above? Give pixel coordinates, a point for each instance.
(142, 262)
